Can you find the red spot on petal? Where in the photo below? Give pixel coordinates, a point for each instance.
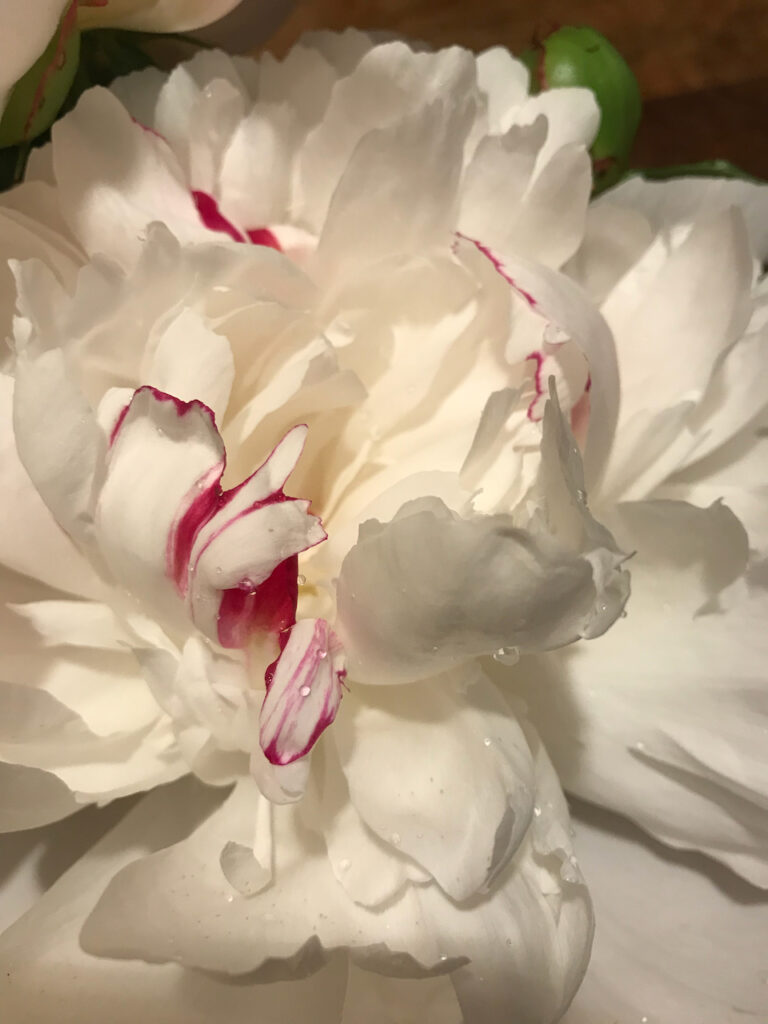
(270, 607)
(263, 236)
(213, 218)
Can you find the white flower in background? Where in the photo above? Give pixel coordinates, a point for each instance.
(393, 817)
(414, 331)
(26, 31)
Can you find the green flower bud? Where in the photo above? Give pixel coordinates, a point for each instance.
(582, 57)
(39, 94)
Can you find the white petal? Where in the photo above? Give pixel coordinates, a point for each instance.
(24, 39)
(44, 966)
(443, 776)
(397, 193)
(671, 326)
(157, 16)
(684, 200)
(57, 437)
(504, 80)
(388, 83)
(193, 362)
(431, 589)
(304, 692)
(31, 861)
(115, 178)
(677, 940)
(664, 718)
(527, 942)
(52, 557)
(166, 456)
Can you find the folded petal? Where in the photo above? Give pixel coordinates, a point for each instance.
(664, 719)
(431, 589)
(44, 964)
(678, 939)
(522, 949)
(442, 772)
(303, 692)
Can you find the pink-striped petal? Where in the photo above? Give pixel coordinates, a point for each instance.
(303, 693)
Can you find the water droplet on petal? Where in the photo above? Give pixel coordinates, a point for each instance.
(345, 864)
(487, 741)
(322, 654)
(301, 579)
(507, 655)
(581, 496)
(537, 812)
(640, 746)
(396, 839)
(305, 691)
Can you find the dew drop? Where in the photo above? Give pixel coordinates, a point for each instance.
(322, 655)
(581, 496)
(230, 899)
(219, 570)
(301, 579)
(345, 864)
(537, 812)
(396, 839)
(506, 655)
(487, 741)
(305, 691)
(443, 957)
(640, 746)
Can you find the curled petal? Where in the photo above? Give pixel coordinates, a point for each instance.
(304, 692)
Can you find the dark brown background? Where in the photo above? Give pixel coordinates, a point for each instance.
(702, 64)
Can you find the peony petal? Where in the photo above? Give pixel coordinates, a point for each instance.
(527, 942)
(445, 778)
(389, 83)
(303, 693)
(32, 797)
(242, 559)
(686, 200)
(664, 719)
(52, 558)
(678, 939)
(166, 456)
(154, 15)
(669, 295)
(431, 589)
(58, 439)
(115, 178)
(24, 40)
(44, 965)
(397, 193)
(193, 362)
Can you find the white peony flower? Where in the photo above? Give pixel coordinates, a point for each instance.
(40, 45)
(392, 816)
(443, 266)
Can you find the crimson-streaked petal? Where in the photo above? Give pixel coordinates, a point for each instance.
(166, 457)
(304, 692)
(242, 561)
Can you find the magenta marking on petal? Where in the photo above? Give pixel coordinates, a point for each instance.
(263, 236)
(118, 423)
(205, 500)
(213, 218)
(538, 359)
(499, 267)
(270, 607)
(319, 657)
